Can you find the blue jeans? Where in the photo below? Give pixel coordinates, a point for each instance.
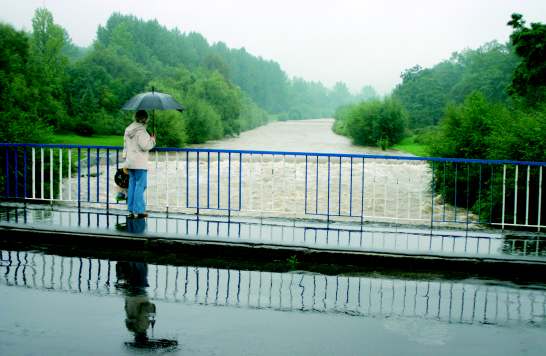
(138, 180)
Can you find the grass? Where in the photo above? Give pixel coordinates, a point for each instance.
(409, 145)
(71, 139)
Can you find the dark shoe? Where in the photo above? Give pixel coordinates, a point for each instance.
(142, 216)
(131, 216)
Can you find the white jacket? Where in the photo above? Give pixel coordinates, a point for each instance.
(136, 144)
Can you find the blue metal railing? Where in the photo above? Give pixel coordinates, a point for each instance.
(353, 187)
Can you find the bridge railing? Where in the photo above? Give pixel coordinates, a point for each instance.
(328, 186)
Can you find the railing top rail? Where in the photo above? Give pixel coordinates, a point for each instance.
(290, 153)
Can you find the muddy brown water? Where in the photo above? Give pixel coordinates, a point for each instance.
(303, 136)
(273, 185)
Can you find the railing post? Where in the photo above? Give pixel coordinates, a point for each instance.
(25, 172)
(229, 184)
(197, 183)
(362, 197)
(60, 174)
(16, 164)
(539, 197)
(240, 180)
(433, 189)
(305, 195)
(51, 196)
(328, 205)
(98, 175)
(503, 194)
(33, 173)
(79, 179)
(108, 186)
(516, 175)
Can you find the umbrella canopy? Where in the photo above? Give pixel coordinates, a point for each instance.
(152, 100)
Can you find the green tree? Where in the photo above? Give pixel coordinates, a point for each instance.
(19, 109)
(376, 123)
(465, 128)
(425, 93)
(529, 78)
(203, 123)
(171, 129)
(224, 98)
(48, 66)
(487, 69)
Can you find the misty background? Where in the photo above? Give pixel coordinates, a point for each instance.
(358, 42)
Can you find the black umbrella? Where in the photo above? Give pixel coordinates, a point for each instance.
(152, 100)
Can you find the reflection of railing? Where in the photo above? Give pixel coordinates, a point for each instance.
(346, 187)
(446, 301)
(288, 233)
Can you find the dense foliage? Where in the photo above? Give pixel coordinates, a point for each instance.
(51, 85)
(529, 79)
(425, 92)
(20, 90)
(511, 126)
(372, 123)
(429, 94)
(488, 103)
(507, 125)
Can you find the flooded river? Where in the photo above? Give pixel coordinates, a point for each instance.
(276, 184)
(303, 136)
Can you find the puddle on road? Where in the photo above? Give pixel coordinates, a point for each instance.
(84, 305)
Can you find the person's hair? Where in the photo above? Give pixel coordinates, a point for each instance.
(141, 116)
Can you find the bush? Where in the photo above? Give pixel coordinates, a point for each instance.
(521, 136)
(340, 122)
(376, 123)
(203, 123)
(170, 128)
(480, 129)
(465, 130)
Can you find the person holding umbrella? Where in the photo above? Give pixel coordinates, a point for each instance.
(136, 145)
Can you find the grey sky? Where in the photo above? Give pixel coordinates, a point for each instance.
(359, 42)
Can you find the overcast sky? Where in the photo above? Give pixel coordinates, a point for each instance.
(359, 42)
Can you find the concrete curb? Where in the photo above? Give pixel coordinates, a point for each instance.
(262, 256)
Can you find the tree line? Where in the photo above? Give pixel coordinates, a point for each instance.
(495, 94)
(49, 85)
(486, 103)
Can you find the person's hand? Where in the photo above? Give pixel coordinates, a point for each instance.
(153, 137)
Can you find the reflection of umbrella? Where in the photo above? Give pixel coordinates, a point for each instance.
(152, 100)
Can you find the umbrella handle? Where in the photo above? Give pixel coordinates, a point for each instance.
(153, 122)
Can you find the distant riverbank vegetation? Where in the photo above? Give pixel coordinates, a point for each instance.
(51, 87)
(488, 102)
(372, 123)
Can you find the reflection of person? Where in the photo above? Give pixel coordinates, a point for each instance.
(136, 226)
(132, 279)
(136, 145)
